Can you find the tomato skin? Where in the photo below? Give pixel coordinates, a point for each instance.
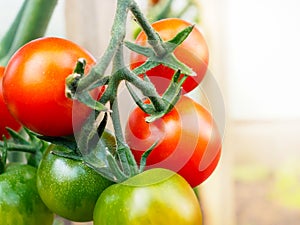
(188, 140)
(193, 52)
(34, 86)
(156, 196)
(20, 202)
(7, 120)
(69, 188)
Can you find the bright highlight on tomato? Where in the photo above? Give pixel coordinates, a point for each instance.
(34, 86)
(193, 52)
(188, 140)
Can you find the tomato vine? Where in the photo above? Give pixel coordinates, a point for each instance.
(120, 164)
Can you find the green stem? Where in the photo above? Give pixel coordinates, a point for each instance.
(33, 24)
(117, 36)
(154, 39)
(147, 89)
(8, 38)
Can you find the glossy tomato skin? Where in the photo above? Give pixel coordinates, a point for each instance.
(193, 52)
(188, 140)
(20, 203)
(68, 187)
(34, 86)
(156, 196)
(6, 119)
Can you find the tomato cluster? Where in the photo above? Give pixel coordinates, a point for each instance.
(186, 141)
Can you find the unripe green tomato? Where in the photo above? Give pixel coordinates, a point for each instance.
(20, 203)
(154, 197)
(69, 187)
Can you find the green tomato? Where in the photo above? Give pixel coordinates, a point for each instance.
(20, 203)
(156, 196)
(69, 187)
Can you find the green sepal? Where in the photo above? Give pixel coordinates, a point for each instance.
(3, 155)
(66, 141)
(68, 154)
(84, 97)
(91, 134)
(102, 160)
(87, 99)
(25, 141)
(148, 65)
(170, 97)
(146, 51)
(179, 38)
(145, 156)
(147, 108)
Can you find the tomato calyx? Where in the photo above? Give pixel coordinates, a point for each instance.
(84, 97)
(169, 98)
(23, 141)
(166, 57)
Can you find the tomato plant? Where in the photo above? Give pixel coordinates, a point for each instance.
(69, 187)
(34, 86)
(156, 196)
(76, 174)
(188, 140)
(20, 202)
(7, 120)
(193, 51)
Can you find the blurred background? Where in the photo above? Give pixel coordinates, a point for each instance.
(254, 60)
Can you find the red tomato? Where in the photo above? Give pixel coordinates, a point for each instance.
(193, 52)
(34, 86)
(154, 2)
(6, 119)
(188, 140)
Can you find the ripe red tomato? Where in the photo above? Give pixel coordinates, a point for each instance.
(193, 52)
(34, 86)
(188, 140)
(6, 119)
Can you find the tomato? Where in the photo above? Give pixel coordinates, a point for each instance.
(154, 2)
(156, 196)
(188, 140)
(34, 86)
(7, 120)
(193, 52)
(20, 202)
(68, 187)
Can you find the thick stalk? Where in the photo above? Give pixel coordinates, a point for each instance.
(33, 24)
(117, 36)
(8, 38)
(147, 88)
(154, 39)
